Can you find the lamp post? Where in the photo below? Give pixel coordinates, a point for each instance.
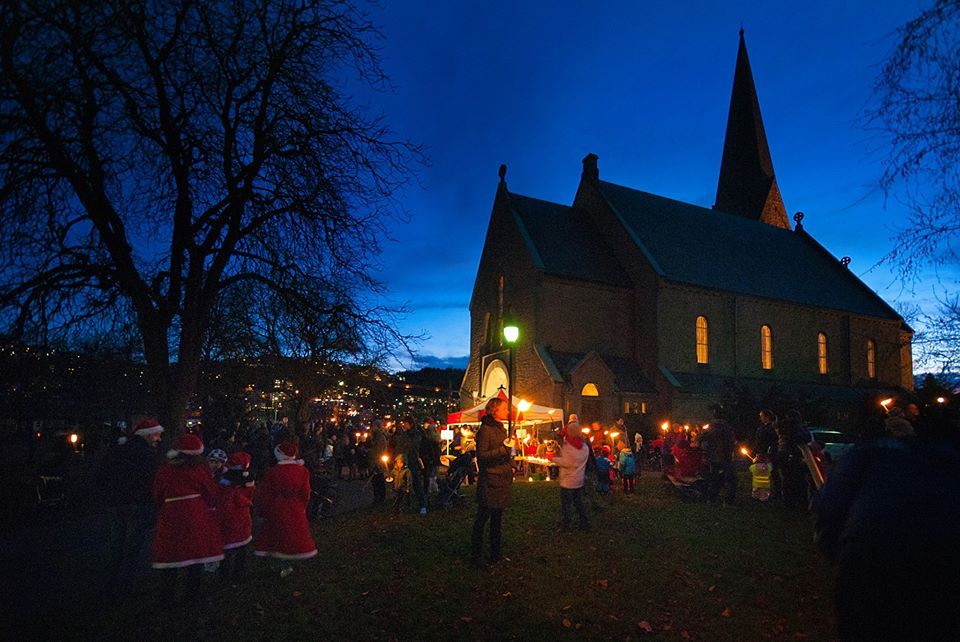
(510, 334)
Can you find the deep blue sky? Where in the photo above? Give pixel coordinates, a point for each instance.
(646, 86)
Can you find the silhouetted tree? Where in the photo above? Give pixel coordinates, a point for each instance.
(916, 106)
(164, 161)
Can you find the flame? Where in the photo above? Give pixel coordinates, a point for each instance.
(73, 438)
(886, 402)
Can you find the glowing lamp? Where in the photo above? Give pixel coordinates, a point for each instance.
(523, 405)
(73, 438)
(941, 400)
(384, 459)
(665, 426)
(511, 333)
(744, 451)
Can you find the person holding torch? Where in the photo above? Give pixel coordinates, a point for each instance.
(495, 480)
(378, 462)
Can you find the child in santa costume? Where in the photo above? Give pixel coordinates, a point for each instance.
(187, 534)
(233, 513)
(282, 499)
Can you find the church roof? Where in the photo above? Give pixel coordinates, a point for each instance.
(627, 374)
(694, 245)
(564, 242)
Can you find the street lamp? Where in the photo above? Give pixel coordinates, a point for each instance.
(510, 334)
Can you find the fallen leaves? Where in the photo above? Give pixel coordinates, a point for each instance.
(645, 626)
(726, 612)
(567, 623)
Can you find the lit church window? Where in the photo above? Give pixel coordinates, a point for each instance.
(703, 355)
(766, 347)
(871, 359)
(822, 353)
(590, 390)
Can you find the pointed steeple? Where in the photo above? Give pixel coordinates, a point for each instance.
(748, 185)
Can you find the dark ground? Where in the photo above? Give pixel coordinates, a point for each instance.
(654, 566)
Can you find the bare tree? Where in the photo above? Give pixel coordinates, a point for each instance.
(160, 159)
(916, 107)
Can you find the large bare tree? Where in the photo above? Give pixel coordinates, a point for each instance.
(916, 108)
(166, 162)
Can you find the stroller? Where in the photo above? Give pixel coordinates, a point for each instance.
(323, 496)
(459, 469)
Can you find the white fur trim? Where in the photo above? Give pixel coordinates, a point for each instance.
(227, 547)
(152, 430)
(285, 556)
(298, 462)
(203, 560)
(280, 455)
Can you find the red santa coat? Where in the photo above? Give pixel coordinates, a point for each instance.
(233, 513)
(187, 532)
(282, 499)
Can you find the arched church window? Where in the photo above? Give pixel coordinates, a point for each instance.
(822, 353)
(494, 377)
(766, 347)
(590, 390)
(703, 354)
(871, 359)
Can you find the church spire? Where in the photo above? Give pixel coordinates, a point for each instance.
(748, 185)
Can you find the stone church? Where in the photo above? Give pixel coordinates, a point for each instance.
(636, 305)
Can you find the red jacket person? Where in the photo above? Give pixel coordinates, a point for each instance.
(282, 498)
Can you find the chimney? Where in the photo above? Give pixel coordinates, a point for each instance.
(590, 169)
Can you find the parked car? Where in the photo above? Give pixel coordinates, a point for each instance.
(833, 443)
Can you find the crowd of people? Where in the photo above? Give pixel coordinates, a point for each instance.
(889, 513)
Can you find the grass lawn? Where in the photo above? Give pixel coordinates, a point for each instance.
(653, 567)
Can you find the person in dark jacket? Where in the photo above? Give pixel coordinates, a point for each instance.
(406, 442)
(718, 442)
(495, 479)
(889, 515)
(378, 467)
(789, 463)
(125, 482)
(765, 443)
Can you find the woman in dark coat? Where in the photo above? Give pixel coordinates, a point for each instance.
(496, 477)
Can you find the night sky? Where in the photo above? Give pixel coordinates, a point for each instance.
(538, 85)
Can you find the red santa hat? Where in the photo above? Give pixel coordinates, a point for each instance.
(187, 444)
(238, 461)
(142, 428)
(286, 450)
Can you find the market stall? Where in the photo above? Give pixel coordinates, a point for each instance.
(528, 419)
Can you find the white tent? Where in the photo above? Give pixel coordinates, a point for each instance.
(523, 412)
